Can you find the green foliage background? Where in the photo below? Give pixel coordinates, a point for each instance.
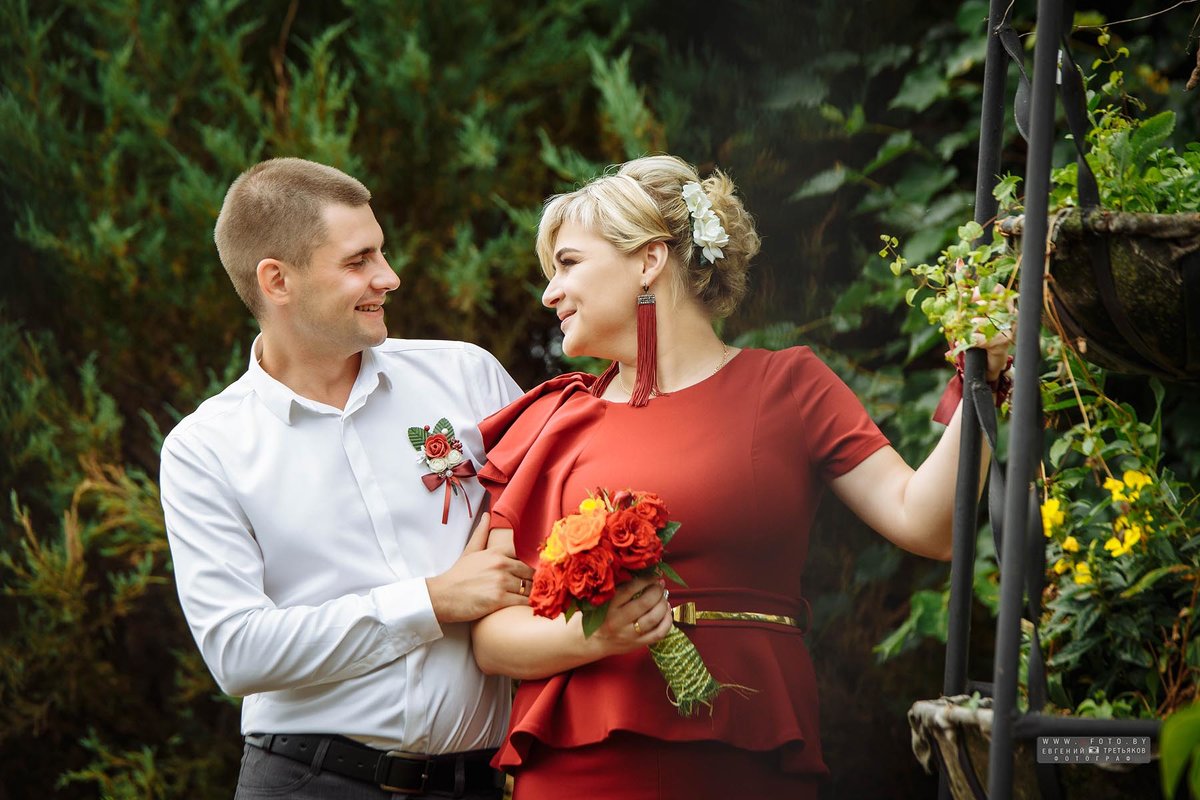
(121, 125)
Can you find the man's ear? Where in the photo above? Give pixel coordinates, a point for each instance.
(272, 281)
(654, 261)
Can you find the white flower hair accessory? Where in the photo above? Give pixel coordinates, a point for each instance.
(707, 232)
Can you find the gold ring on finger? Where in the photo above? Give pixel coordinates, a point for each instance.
(637, 628)
(521, 589)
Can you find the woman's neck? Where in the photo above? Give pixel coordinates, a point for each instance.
(689, 351)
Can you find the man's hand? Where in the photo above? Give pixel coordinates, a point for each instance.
(480, 582)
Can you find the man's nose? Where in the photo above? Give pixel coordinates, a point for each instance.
(386, 278)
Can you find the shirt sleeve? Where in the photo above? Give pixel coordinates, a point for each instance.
(249, 644)
(492, 388)
(837, 429)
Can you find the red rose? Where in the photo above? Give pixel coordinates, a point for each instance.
(651, 508)
(437, 446)
(622, 499)
(634, 540)
(590, 576)
(548, 595)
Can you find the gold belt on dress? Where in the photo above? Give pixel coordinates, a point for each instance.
(687, 614)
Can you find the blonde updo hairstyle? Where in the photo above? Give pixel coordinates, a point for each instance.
(642, 203)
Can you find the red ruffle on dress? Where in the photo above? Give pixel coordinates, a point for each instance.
(741, 460)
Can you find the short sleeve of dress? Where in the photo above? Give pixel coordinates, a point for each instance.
(836, 427)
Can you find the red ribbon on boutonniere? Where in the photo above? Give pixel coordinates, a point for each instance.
(443, 455)
(451, 478)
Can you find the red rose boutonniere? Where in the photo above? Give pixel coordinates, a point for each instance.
(443, 456)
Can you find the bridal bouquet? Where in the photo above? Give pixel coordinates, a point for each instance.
(614, 538)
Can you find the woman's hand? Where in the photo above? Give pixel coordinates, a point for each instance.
(638, 616)
(998, 348)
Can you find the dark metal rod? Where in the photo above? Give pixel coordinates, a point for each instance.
(991, 121)
(966, 504)
(962, 572)
(1024, 431)
(962, 564)
(1030, 726)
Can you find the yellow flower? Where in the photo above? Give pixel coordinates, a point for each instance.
(1083, 573)
(1115, 488)
(1131, 536)
(1136, 480)
(1061, 566)
(553, 549)
(1052, 515)
(1071, 544)
(591, 504)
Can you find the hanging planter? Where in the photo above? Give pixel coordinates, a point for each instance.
(953, 735)
(1135, 307)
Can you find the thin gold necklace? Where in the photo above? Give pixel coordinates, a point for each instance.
(721, 363)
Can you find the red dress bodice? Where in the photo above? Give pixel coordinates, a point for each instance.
(741, 460)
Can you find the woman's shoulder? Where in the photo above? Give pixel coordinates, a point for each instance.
(791, 364)
(566, 395)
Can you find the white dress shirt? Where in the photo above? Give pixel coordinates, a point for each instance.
(302, 535)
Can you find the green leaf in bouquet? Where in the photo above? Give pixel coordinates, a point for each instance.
(670, 573)
(417, 436)
(593, 618)
(443, 426)
(668, 532)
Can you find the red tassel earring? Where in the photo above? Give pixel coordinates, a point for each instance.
(646, 383)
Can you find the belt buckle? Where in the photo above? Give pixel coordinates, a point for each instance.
(684, 614)
(399, 755)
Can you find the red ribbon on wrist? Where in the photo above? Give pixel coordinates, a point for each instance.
(1001, 389)
(453, 481)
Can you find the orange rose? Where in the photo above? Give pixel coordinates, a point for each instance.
(634, 540)
(548, 595)
(590, 576)
(580, 532)
(651, 508)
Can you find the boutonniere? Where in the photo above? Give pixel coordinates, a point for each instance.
(443, 456)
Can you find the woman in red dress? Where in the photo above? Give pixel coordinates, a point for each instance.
(740, 444)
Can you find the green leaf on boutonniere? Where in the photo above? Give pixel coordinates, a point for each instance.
(444, 426)
(667, 532)
(417, 436)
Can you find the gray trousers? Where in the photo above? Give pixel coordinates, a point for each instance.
(265, 775)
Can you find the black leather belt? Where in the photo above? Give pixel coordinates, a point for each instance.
(392, 771)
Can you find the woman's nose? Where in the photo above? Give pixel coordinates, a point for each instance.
(552, 295)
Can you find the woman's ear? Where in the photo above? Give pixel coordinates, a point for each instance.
(654, 261)
(271, 274)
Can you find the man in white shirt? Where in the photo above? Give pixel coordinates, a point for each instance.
(320, 510)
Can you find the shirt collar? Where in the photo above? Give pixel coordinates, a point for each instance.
(371, 375)
(281, 401)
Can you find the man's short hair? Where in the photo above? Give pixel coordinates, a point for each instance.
(273, 210)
